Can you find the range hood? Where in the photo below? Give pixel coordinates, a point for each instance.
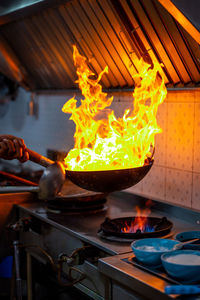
(36, 39)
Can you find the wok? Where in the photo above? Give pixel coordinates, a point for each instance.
(109, 180)
(98, 181)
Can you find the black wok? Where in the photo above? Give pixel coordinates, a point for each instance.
(97, 181)
(109, 180)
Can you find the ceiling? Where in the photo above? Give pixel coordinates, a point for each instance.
(36, 48)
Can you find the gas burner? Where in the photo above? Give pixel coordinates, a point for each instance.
(75, 200)
(76, 207)
(78, 211)
(118, 239)
(121, 227)
(112, 238)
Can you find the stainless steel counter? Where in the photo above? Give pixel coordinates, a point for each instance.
(121, 204)
(128, 276)
(84, 227)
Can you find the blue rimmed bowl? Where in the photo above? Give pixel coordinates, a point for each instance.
(149, 251)
(182, 264)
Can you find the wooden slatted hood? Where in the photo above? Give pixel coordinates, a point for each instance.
(36, 44)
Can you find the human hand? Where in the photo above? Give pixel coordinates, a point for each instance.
(12, 147)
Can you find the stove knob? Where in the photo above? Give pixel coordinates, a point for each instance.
(62, 257)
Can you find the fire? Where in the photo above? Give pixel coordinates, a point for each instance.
(140, 222)
(102, 141)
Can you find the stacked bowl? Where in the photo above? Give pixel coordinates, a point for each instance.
(183, 265)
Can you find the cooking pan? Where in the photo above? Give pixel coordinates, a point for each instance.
(107, 181)
(98, 181)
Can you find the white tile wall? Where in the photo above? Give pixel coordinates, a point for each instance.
(161, 139)
(196, 191)
(136, 189)
(175, 176)
(52, 128)
(179, 187)
(180, 127)
(154, 183)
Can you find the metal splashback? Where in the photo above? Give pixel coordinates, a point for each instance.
(36, 49)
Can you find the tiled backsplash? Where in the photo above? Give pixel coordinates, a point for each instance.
(175, 176)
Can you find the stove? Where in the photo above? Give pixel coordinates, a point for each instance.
(59, 205)
(105, 266)
(128, 227)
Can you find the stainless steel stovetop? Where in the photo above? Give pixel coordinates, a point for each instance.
(84, 229)
(85, 226)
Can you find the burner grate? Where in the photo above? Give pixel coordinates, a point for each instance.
(114, 227)
(76, 207)
(119, 239)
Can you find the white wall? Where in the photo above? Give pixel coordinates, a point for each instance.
(175, 176)
(51, 129)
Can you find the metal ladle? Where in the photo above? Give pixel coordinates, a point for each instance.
(52, 178)
(181, 244)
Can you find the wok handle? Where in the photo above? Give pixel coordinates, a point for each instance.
(39, 159)
(19, 179)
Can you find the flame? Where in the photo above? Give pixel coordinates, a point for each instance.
(102, 141)
(140, 222)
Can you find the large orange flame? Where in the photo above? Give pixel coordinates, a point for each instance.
(102, 141)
